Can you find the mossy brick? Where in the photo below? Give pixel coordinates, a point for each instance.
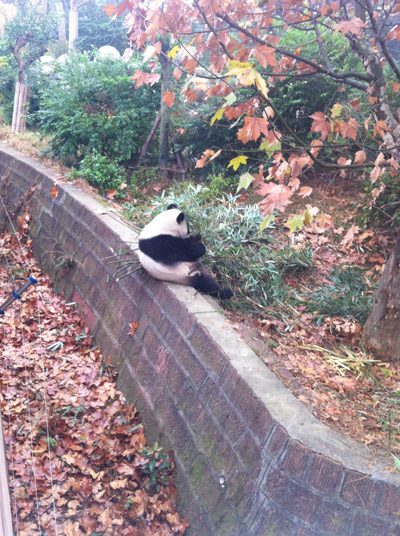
(295, 459)
(176, 429)
(178, 312)
(276, 485)
(187, 360)
(69, 243)
(151, 343)
(97, 300)
(111, 318)
(133, 286)
(89, 317)
(134, 394)
(195, 413)
(176, 379)
(368, 525)
(250, 455)
(189, 505)
(207, 350)
(325, 474)
(359, 490)
(251, 408)
(100, 228)
(150, 307)
(206, 485)
(226, 415)
(63, 216)
(277, 441)
(334, 519)
(72, 205)
(242, 492)
(145, 374)
(301, 502)
(95, 243)
(83, 281)
(48, 222)
(142, 325)
(110, 349)
(92, 264)
(275, 523)
(389, 504)
(209, 440)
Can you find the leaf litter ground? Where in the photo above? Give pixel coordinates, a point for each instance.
(59, 401)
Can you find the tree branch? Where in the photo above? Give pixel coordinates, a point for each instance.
(213, 31)
(380, 40)
(344, 77)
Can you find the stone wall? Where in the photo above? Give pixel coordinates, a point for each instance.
(251, 460)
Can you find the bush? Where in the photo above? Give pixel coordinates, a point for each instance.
(92, 106)
(101, 172)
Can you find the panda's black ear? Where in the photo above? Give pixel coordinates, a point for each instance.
(181, 217)
(171, 206)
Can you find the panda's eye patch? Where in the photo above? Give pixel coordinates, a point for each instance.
(181, 217)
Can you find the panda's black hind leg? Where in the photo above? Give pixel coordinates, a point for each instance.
(204, 282)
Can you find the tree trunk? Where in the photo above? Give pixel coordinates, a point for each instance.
(164, 110)
(73, 26)
(21, 100)
(382, 331)
(62, 31)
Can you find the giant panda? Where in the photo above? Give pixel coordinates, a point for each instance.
(168, 252)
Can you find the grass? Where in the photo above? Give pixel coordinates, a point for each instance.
(28, 142)
(347, 296)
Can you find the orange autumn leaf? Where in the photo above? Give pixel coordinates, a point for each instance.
(350, 129)
(110, 9)
(168, 98)
(54, 192)
(133, 325)
(320, 124)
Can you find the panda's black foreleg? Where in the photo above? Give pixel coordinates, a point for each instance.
(204, 282)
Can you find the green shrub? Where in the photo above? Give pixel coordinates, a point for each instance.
(92, 106)
(101, 172)
(220, 183)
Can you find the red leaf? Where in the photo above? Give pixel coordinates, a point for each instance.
(253, 128)
(354, 26)
(110, 9)
(111, 194)
(168, 98)
(133, 326)
(320, 124)
(145, 78)
(264, 55)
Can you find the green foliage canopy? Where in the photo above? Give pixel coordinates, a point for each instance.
(91, 105)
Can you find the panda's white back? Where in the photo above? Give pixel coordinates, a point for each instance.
(165, 223)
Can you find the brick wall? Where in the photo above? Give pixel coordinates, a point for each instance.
(251, 460)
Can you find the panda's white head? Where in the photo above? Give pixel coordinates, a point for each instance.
(170, 222)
